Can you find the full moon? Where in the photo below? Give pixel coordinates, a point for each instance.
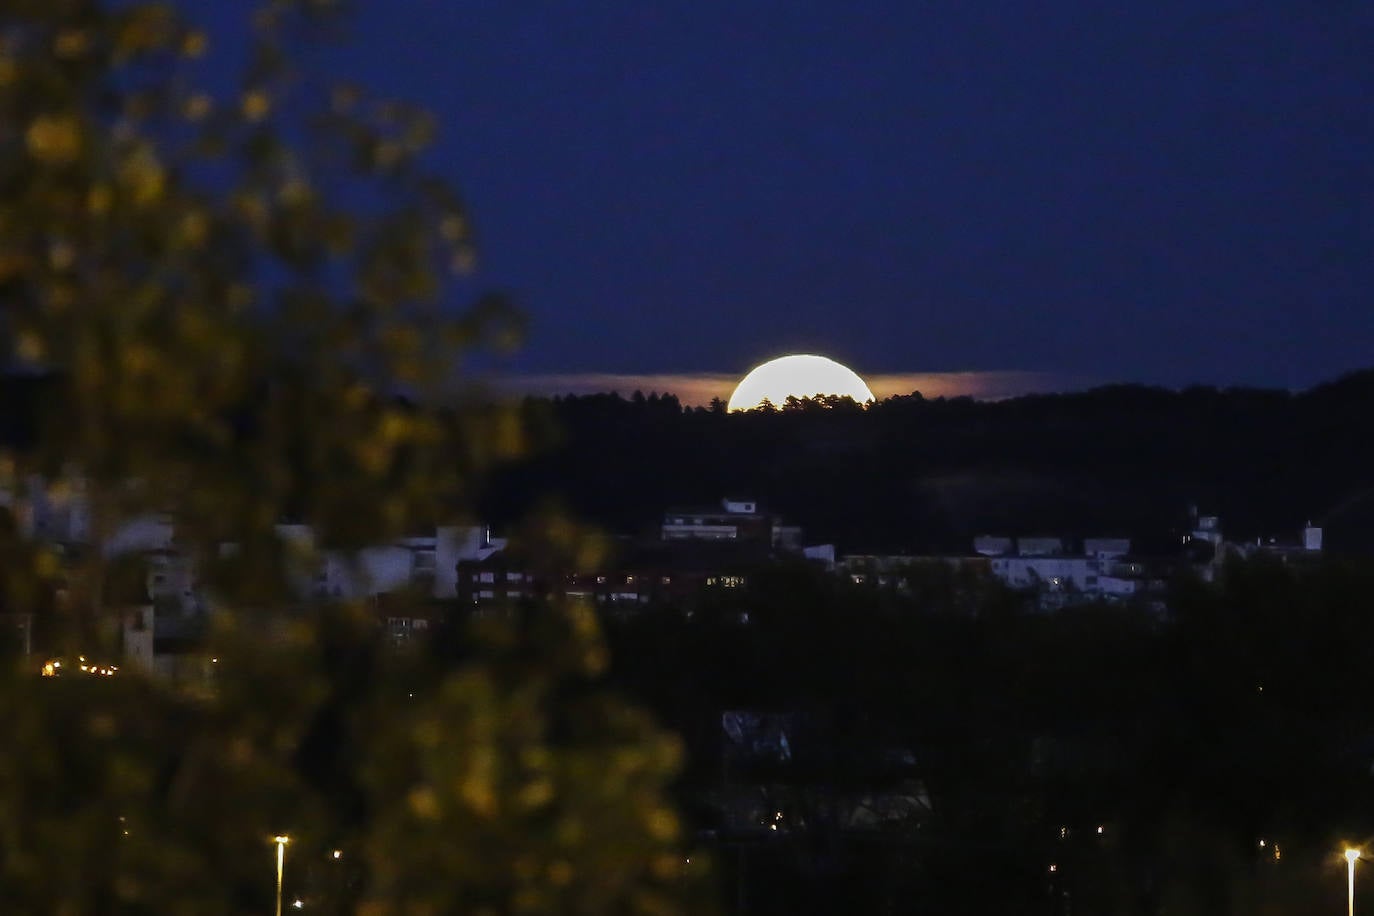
(800, 376)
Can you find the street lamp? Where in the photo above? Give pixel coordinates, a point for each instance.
(1350, 856)
(281, 842)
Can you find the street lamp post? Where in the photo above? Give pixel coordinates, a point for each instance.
(281, 842)
(1350, 856)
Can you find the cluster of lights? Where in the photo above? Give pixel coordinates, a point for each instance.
(1064, 833)
(281, 840)
(53, 667)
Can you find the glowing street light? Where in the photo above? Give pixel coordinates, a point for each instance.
(281, 842)
(1350, 856)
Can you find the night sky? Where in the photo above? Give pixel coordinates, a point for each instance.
(1170, 192)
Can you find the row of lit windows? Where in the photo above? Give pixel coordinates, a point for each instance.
(489, 578)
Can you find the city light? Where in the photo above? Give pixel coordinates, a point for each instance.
(1351, 854)
(281, 840)
(53, 668)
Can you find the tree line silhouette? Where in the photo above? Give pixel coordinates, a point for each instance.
(915, 474)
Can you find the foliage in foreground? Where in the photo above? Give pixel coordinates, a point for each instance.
(237, 310)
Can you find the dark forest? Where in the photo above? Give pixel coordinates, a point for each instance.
(911, 474)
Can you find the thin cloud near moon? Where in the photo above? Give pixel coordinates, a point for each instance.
(697, 389)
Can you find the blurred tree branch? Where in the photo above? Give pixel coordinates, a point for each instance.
(242, 301)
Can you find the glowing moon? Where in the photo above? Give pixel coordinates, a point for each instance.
(800, 376)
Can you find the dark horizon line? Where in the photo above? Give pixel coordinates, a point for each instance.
(699, 389)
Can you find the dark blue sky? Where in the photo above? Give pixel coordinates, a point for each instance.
(1163, 191)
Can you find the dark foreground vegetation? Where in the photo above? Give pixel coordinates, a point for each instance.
(1213, 759)
(218, 268)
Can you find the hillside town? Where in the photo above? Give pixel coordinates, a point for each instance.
(459, 570)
